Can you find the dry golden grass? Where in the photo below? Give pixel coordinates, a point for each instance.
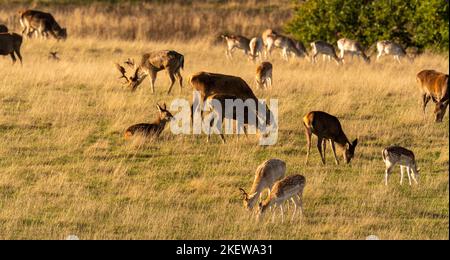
(66, 169)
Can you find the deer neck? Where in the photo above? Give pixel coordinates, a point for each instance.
(342, 141)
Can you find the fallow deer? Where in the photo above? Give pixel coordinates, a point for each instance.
(434, 85)
(268, 37)
(287, 45)
(153, 129)
(256, 48)
(391, 48)
(41, 23)
(394, 155)
(327, 127)
(263, 76)
(10, 44)
(324, 48)
(266, 175)
(236, 42)
(151, 63)
(3, 28)
(291, 187)
(353, 47)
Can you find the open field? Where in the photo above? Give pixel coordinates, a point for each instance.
(66, 169)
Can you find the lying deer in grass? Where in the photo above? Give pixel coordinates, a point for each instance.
(434, 85)
(151, 64)
(391, 48)
(10, 44)
(327, 127)
(326, 49)
(266, 175)
(152, 129)
(394, 155)
(353, 47)
(263, 76)
(291, 187)
(236, 42)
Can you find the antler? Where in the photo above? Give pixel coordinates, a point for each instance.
(130, 62)
(245, 195)
(122, 71)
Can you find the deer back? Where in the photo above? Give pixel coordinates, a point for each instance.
(434, 83)
(325, 125)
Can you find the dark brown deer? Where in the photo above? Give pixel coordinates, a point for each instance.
(153, 129)
(3, 28)
(10, 44)
(42, 23)
(153, 62)
(327, 127)
(434, 85)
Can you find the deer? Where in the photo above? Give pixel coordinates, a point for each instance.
(290, 187)
(326, 49)
(3, 28)
(434, 85)
(236, 42)
(397, 155)
(353, 47)
(391, 48)
(10, 44)
(268, 37)
(151, 63)
(263, 76)
(266, 175)
(42, 24)
(256, 46)
(287, 45)
(327, 127)
(153, 129)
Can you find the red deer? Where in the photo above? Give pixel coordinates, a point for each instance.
(266, 175)
(151, 64)
(394, 155)
(10, 44)
(263, 76)
(3, 28)
(327, 127)
(324, 48)
(353, 47)
(153, 129)
(434, 85)
(391, 48)
(236, 42)
(41, 23)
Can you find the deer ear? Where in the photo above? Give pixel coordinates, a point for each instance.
(164, 106)
(158, 107)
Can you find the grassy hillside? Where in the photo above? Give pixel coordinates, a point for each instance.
(66, 169)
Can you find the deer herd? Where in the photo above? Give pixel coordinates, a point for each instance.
(271, 174)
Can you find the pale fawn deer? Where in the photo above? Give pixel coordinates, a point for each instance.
(397, 155)
(352, 47)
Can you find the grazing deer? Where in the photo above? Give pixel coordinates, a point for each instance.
(327, 127)
(353, 47)
(236, 42)
(41, 23)
(324, 48)
(53, 55)
(391, 48)
(10, 44)
(263, 76)
(153, 129)
(256, 48)
(287, 45)
(3, 28)
(266, 175)
(434, 85)
(394, 155)
(291, 187)
(151, 64)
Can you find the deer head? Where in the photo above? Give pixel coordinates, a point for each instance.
(164, 114)
(349, 151)
(439, 110)
(133, 81)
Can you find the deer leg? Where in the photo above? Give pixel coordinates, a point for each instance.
(324, 148)
(295, 207)
(152, 80)
(401, 174)
(172, 81)
(414, 172)
(388, 171)
(308, 134)
(19, 56)
(334, 152)
(13, 57)
(180, 79)
(408, 171)
(319, 147)
(425, 99)
(378, 56)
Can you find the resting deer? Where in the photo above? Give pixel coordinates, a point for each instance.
(394, 155)
(434, 85)
(391, 48)
(353, 47)
(151, 64)
(3, 28)
(263, 76)
(152, 129)
(236, 42)
(291, 187)
(41, 23)
(266, 175)
(10, 44)
(324, 48)
(256, 48)
(327, 127)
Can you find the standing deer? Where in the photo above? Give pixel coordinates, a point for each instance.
(10, 44)
(434, 85)
(151, 64)
(327, 127)
(291, 187)
(263, 76)
(3, 28)
(324, 48)
(353, 47)
(394, 155)
(152, 129)
(256, 48)
(391, 48)
(236, 42)
(41, 23)
(266, 175)
(268, 37)
(287, 45)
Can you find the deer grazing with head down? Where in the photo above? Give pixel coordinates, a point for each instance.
(287, 45)
(434, 85)
(153, 129)
(353, 47)
(263, 76)
(327, 127)
(236, 42)
(10, 44)
(256, 48)
(151, 63)
(266, 175)
(394, 155)
(41, 23)
(393, 49)
(324, 48)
